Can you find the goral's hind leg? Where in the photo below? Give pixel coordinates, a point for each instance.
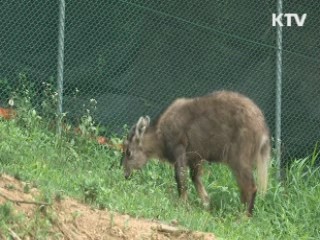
(195, 174)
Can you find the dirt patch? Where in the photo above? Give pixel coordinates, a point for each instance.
(71, 219)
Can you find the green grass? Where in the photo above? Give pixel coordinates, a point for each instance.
(82, 169)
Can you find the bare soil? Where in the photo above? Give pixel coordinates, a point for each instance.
(71, 219)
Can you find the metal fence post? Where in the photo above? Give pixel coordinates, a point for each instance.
(278, 92)
(60, 63)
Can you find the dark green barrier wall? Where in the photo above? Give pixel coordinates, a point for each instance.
(135, 57)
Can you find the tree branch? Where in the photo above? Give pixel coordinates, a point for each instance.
(23, 201)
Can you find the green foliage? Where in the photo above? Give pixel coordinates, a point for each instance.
(6, 211)
(81, 168)
(36, 228)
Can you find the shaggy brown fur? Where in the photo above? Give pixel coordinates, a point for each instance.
(224, 127)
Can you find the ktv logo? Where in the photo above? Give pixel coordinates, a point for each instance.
(290, 17)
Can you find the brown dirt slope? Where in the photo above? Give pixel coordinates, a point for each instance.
(70, 219)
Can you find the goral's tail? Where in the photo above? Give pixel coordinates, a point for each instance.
(263, 164)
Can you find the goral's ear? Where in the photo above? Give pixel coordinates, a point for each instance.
(141, 126)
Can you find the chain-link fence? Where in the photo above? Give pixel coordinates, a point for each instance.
(135, 57)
